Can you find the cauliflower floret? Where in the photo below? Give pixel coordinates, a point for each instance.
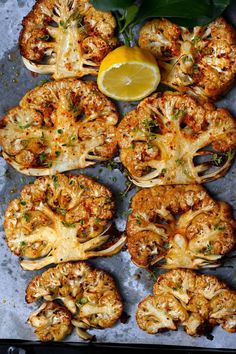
(160, 312)
(59, 126)
(51, 321)
(66, 38)
(223, 310)
(201, 62)
(180, 283)
(58, 219)
(170, 138)
(182, 297)
(89, 294)
(179, 227)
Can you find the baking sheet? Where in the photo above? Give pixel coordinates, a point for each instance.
(134, 282)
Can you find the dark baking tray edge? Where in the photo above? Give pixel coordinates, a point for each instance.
(28, 347)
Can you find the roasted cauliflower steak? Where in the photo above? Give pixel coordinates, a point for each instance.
(90, 295)
(66, 38)
(179, 227)
(182, 297)
(58, 127)
(170, 138)
(60, 218)
(51, 321)
(201, 61)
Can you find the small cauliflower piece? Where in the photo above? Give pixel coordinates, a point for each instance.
(58, 127)
(60, 218)
(171, 138)
(51, 321)
(223, 310)
(179, 227)
(160, 312)
(89, 294)
(182, 297)
(200, 61)
(66, 38)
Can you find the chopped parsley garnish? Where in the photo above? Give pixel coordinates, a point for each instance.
(153, 274)
(97, 220)
(81, 300)
(217, 159)
(68, 224)
(138, 219)
(196, 69)
(108, 200)
(61, 211)
(23, 202)
(42, 157)
(42, 82)
(60, 131)
(195, 40)
(219, 228)
(24, 126)
(186, 59)
(163, 171)
(26, 216)
(57, 153)
(23, 179)
(209, 248)
(55, 181)
(178, 114)
(45, 38)
(166, 245)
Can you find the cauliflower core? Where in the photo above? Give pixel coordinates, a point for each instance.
(58, 127)
(89, 294)
(182, 297)
(58, 219)
(179, 227)
(171, 139)
(51, 321)
(66, 38)
(201, 61)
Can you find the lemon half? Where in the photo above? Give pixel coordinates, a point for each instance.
(128, 74)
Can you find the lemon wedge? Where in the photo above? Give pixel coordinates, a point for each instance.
(128, 74)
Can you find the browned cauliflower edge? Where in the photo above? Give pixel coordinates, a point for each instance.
(179, 227)
(60, 218)
(66, 38)
(201, 61)
(90, 295)
(182, 297)
(51, 321)
(170, 138)
(59, 126)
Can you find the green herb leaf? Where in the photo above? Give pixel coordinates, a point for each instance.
(189, 9)
(111, 5)
(129, 16)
